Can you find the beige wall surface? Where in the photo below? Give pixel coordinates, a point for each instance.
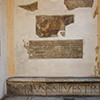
(3, 57)
(84, 27)
(10, 38)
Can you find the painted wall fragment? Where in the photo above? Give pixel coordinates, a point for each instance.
(30, 7)
(72, 4)
(49, 26)
(55, 49)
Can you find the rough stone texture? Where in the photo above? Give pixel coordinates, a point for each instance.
(56, 49)
(49, 26)
(47, 88)
(53, 89)
(30, 7)
(72, 4)
(49, 98)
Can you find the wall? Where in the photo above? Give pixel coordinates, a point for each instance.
(3, 58)
(84, 27)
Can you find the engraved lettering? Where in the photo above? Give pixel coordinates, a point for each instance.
(93, 89)
(47, 89)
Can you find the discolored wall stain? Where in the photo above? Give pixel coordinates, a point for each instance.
(72, 4)
(49, 26)
(30, 7)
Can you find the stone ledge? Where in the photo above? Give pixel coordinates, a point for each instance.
(53, 86)
(54, 79)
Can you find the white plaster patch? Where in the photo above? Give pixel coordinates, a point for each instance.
(85, 27)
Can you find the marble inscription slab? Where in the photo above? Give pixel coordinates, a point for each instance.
(49, 26)
(72, 4)
(54, 89)
(55, 49)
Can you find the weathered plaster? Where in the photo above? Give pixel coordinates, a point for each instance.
(85, 27)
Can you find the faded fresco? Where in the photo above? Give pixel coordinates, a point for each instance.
(45, 88)
(55, 33)
(49, 26)
(30, 7)
(72, 4)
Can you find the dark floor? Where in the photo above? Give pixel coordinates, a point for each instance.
(49, 98)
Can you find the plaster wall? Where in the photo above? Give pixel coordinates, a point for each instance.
(3, 58)
(84, 27)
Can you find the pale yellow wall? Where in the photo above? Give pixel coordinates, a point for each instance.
(85, 27)
(10, 38)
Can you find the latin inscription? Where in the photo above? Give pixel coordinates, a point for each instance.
(56, 49)
(48, 89)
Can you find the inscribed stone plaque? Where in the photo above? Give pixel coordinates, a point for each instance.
(72, 4)
(49, 26)
(54, 88)
(56, 49)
